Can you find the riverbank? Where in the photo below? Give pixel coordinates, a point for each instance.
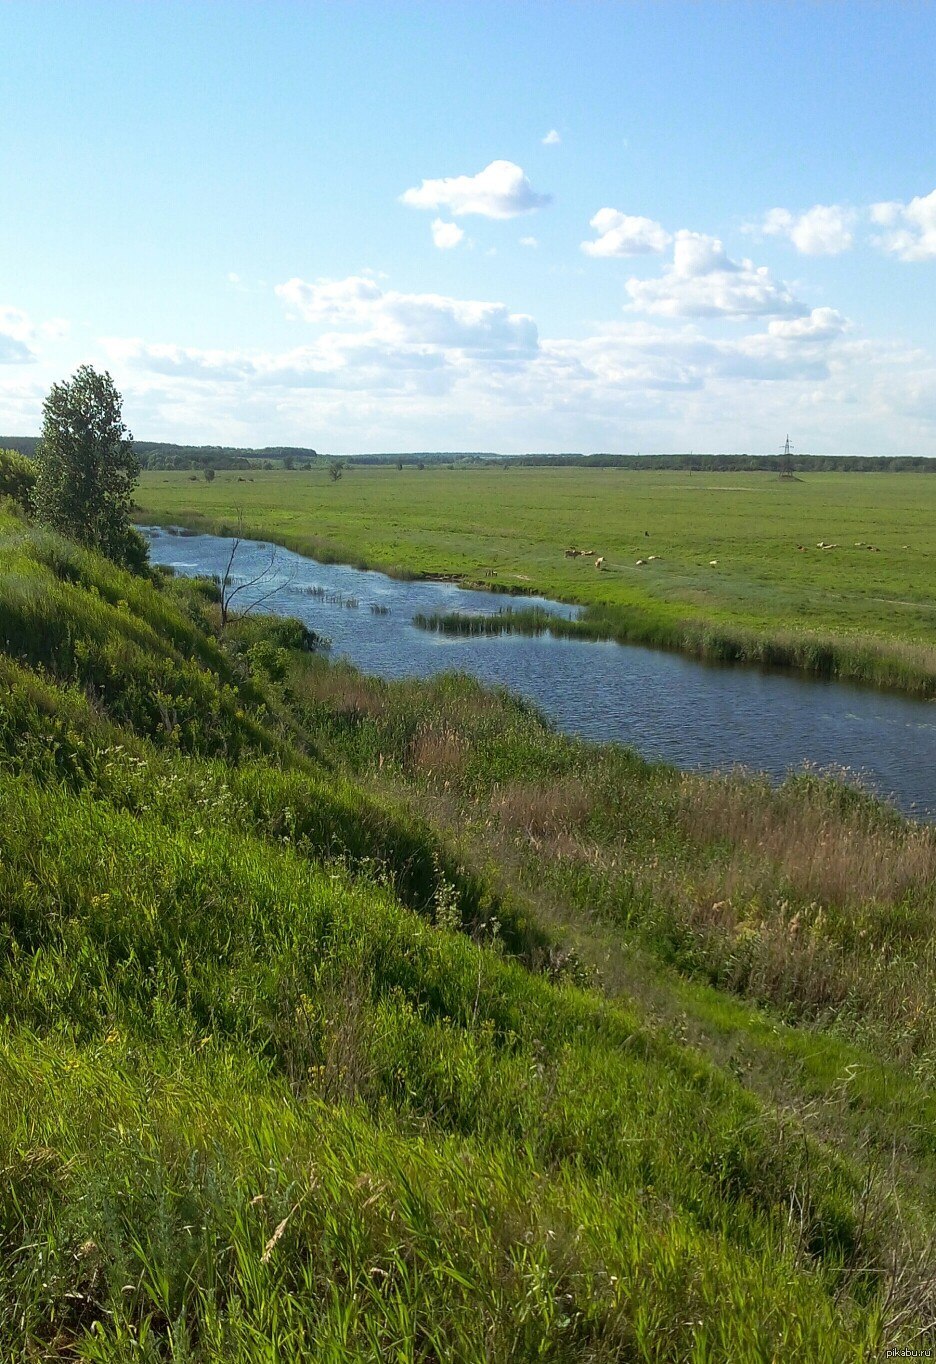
(390, 1013)
(904, 668)
(736, 575)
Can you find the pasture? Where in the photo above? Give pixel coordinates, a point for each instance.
(873, 592)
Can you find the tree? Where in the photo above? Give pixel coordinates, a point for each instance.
(17, 478)
(335, 470)
(86, 467)
(209, 473)
(264, 580)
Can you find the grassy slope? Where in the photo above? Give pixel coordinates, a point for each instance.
(295, 1064)
(510, 529)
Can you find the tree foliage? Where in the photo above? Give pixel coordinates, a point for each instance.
(17, 478)
(86, 466)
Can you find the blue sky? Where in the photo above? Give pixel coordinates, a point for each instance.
(507, 226)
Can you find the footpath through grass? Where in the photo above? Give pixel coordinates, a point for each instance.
(349, 1021)
(863, 609)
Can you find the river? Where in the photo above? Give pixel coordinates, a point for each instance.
(668, 707)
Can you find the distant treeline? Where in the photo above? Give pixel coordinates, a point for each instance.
(423, 457)
(163, 455)
(804, 464)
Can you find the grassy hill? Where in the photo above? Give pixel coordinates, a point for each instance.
(346, 1020)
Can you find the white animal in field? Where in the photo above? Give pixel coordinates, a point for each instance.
(713, 563)
(641, 562)
(599, 563)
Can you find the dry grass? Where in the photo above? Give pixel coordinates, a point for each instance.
(343, 692)
(822, 853)
(436, 751)
(545, 813)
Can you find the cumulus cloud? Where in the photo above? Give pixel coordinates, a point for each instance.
(552, 138)
(395, 318)
(622, 234)
(501, 190)
(821, 325)
(339, 300)
(704, 282)
(823, 230)
(911, 228)
(16, 334)
(446, 235)
(531, 242)
(378, 368)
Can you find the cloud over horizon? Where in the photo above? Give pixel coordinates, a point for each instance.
(703, 281)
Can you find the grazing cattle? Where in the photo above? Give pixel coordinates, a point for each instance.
(652, 557)
(647, 533)
(571, 553)
(641, 562)
(713, 563)
(599, 563)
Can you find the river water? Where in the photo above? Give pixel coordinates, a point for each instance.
(685, 712)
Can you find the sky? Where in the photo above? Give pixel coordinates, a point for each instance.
(625, 227)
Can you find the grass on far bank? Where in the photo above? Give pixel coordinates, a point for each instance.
(862, 610)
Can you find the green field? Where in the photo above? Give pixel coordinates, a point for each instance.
(852, 611)
(356, 1021)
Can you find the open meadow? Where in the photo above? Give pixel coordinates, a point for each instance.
(865, 608)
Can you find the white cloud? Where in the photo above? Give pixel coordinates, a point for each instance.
(820, 325)
(16, 334)
(382, 369)
(397, 319)
(704, 282)
(501, 190)
(531, 242)
(621, 234)
(55, 329)
(340, 300)
(886, 214)
(446, 235)
(552, 138)
(912, 227)
(823, 230)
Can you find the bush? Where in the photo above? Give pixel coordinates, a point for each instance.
(17, 478)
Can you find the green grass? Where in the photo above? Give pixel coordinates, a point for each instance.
(350, 1021)
(847, 611)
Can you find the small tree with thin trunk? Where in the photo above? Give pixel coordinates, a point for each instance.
(85, 465)
(264, 581)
